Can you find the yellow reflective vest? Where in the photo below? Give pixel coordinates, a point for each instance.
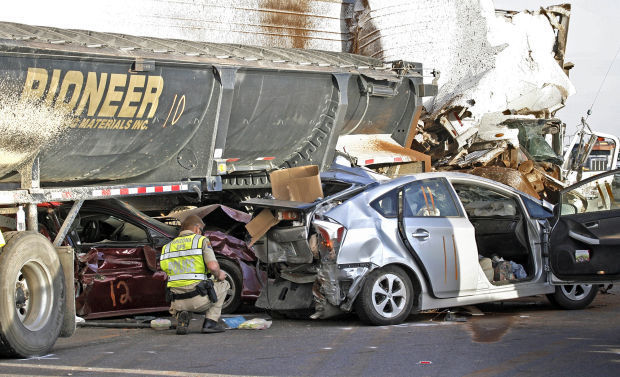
(182, 260)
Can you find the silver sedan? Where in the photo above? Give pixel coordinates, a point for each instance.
(437, 240)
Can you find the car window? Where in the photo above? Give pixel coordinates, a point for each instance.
(333, 187)
(480, 201)
(601, 194)
(102, 228)
(430, 197)
(387, 205)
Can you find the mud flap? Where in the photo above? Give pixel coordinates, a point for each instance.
(65, 255)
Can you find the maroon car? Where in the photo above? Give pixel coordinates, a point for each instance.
(117, 256)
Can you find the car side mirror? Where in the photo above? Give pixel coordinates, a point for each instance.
(150, 255)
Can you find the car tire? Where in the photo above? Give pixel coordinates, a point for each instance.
(31, 277)
(234, 277)
(573, 297)
(386, 298)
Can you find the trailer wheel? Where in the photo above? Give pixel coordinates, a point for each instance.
(33, 297)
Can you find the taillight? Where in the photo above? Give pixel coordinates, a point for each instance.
(326, 241)
(288, 215)
(331, 236)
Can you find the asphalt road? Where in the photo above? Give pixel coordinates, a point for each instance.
(525, 337)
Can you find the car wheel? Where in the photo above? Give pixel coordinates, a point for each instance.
(386, 298)
(576, 296)
(234, 278)
(33, 297)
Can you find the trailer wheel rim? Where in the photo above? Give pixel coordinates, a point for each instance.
(33, 295)
(389, 295)
(576, 292)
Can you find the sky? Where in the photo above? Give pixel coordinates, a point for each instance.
(593, 41)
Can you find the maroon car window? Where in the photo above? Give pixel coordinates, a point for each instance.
(101, 228)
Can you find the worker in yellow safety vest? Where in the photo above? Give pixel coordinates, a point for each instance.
(190, 264)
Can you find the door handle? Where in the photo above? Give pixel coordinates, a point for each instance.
(582, 238)
(592, 225)
(421, 234)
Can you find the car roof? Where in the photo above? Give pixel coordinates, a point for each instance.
(454, 175)
(121, 206)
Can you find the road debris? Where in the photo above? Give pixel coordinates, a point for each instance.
(255, 324)
(161, 324)
(233, 322)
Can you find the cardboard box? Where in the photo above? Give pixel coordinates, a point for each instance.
(300, 184)
(260, 225)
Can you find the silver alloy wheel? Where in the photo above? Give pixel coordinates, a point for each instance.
(576, 292)
(389, 295)
(33, 295)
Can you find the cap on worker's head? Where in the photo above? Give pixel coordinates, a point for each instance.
(191, 221)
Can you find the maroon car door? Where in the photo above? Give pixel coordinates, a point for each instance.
(117, 273)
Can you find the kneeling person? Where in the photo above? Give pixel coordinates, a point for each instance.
(189, 261)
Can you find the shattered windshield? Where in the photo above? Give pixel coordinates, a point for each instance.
(531, 137)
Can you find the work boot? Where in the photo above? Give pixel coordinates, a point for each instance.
(183, 319)
(211, 326)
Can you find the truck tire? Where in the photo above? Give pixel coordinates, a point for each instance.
(573, 297)
(33, 297)
(386, 298)
(234, 277)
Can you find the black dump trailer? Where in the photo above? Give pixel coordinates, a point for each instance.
(143, 110)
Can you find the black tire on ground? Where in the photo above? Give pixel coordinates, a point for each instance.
(234, 277)
(31, 314)
(386, 298)
(573, 297)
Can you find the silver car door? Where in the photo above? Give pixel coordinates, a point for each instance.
(440, 238)
(585, 240)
